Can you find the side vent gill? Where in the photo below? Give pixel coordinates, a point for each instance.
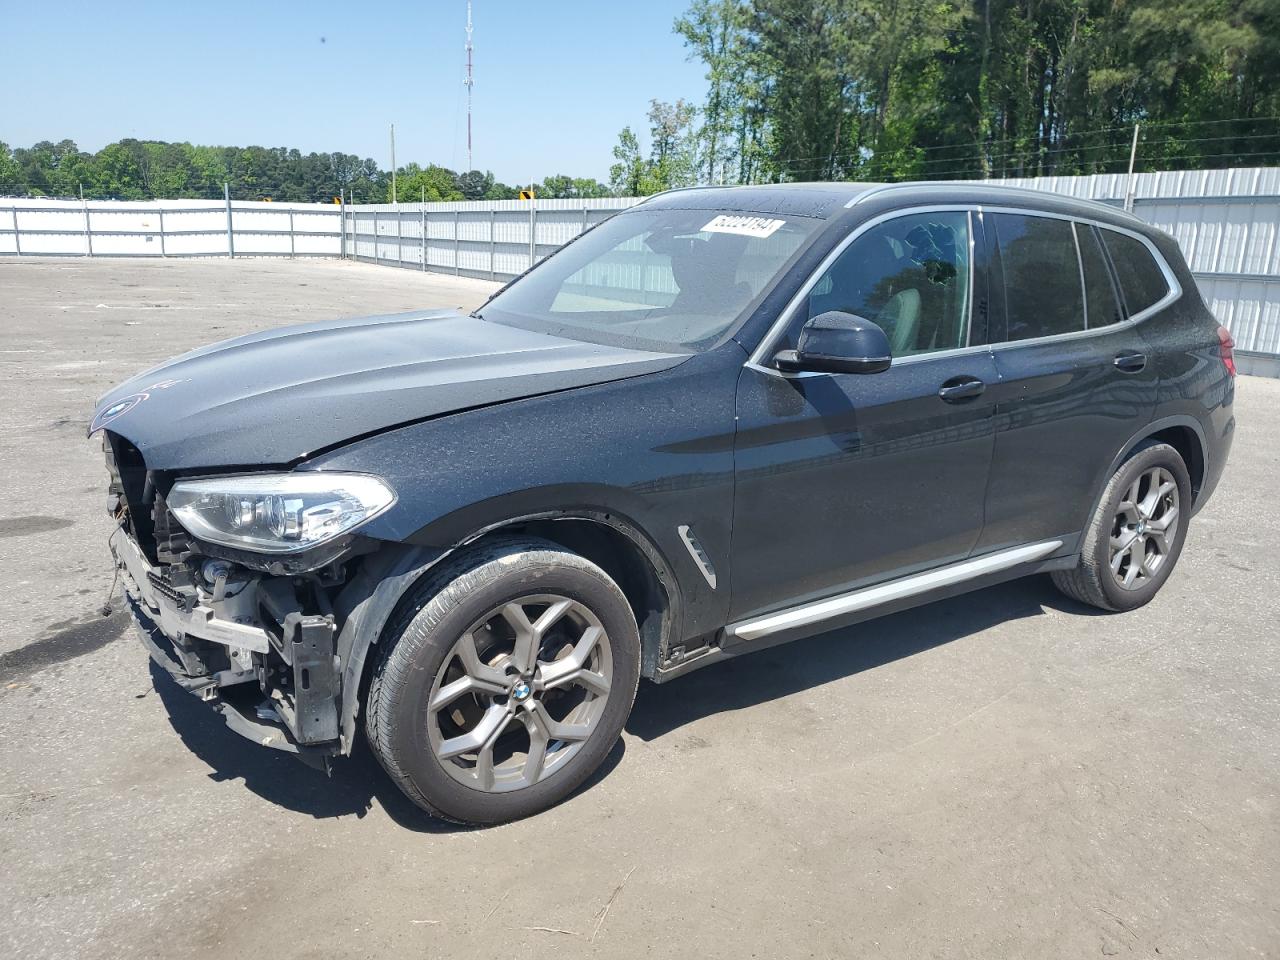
(699, 555)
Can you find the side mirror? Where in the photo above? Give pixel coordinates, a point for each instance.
(838, 342)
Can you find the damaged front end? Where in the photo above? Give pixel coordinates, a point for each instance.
(256, 635)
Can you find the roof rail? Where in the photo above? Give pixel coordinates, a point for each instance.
(663, 193)
(1003, 188)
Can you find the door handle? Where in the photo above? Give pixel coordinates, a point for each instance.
(1130, 362)
(959, 389)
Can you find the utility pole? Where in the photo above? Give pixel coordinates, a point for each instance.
(1128, 187)
(393, 163)
(468, 83)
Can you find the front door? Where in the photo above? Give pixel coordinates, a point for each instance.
(843, 480)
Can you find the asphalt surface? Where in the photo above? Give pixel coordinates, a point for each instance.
(1004, 774)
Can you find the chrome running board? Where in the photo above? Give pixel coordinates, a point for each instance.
(816, 612)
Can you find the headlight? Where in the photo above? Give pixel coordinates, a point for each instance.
(277, 513)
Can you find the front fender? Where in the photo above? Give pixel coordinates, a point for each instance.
(655, 450)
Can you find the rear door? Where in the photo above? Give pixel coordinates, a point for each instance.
(1076, 376)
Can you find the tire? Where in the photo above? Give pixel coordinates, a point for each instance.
(1096, 579)
(520, 601)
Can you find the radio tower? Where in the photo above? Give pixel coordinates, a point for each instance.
(469, 81)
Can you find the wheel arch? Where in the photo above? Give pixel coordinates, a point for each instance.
(387, 580)
(1183, 433)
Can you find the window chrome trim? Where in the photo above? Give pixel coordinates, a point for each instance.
(866, 598)
(760, 356)
(1084, 291)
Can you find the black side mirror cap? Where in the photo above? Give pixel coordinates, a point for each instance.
(838, 342)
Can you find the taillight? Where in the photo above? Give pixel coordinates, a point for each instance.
(1226, 348)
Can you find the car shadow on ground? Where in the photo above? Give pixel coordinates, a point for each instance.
(356, 782)
(351, 788)
(793, 667)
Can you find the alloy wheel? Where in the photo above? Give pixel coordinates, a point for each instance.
(519, 693)
(1145, 528)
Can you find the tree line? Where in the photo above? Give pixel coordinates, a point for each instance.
(153, 169)
(948, 89)
(830, 90)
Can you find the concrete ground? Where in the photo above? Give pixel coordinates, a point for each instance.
(1004, 774)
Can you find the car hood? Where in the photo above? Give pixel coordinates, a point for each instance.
(279, 396)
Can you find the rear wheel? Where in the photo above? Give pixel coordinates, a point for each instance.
(1136, 533)
(506, 684)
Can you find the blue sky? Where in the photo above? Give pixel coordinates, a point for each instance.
(555, 80)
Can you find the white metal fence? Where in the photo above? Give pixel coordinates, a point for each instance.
(492, 239)
(169, 228)
(1227, 222)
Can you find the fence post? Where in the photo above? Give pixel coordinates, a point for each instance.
(292, 248)
(533, 231)
(493, 244)
(160, 210)
(422, 230)
(17, 241)
(342, 223)
(585, 211)
(399, 239)
(88, 230)
(231, 240)
(456, 217)
(375, 236)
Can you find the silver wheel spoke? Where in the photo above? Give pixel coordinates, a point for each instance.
(525, 653)
(476, 669)
(1159, 490)
(1131, 574)
(551, 616)
(572, 668)
(1117, 558)
(560, 731)
(492, 724)
(1162, 522)
(462, 686)
(539, 741)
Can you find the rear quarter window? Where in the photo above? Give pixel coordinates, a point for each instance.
(1141, 280)
(1100, 293)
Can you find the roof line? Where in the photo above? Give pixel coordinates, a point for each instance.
(980, 184)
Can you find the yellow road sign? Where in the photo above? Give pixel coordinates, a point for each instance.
(526, 194)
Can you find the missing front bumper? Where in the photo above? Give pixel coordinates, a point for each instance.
(281, 691)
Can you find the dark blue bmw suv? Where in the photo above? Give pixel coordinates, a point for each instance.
(721, 420)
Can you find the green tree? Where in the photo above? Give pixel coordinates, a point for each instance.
(10, 172)
(628, 175)
(435, 183)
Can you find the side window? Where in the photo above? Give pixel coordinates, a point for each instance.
(1042, 289)
(1141, 280)
(1103, 306)
(910, 275)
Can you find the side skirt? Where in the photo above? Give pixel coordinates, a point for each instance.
(866, 603)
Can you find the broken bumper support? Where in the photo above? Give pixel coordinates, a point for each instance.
(179, 632)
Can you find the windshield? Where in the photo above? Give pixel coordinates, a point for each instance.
(661, 279)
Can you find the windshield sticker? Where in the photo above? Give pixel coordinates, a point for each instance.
(746, 226)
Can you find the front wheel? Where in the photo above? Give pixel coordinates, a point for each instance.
(505, 683)
(1136, 533)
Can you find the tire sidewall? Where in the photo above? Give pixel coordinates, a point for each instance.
(428, 639)
(1158, 455)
